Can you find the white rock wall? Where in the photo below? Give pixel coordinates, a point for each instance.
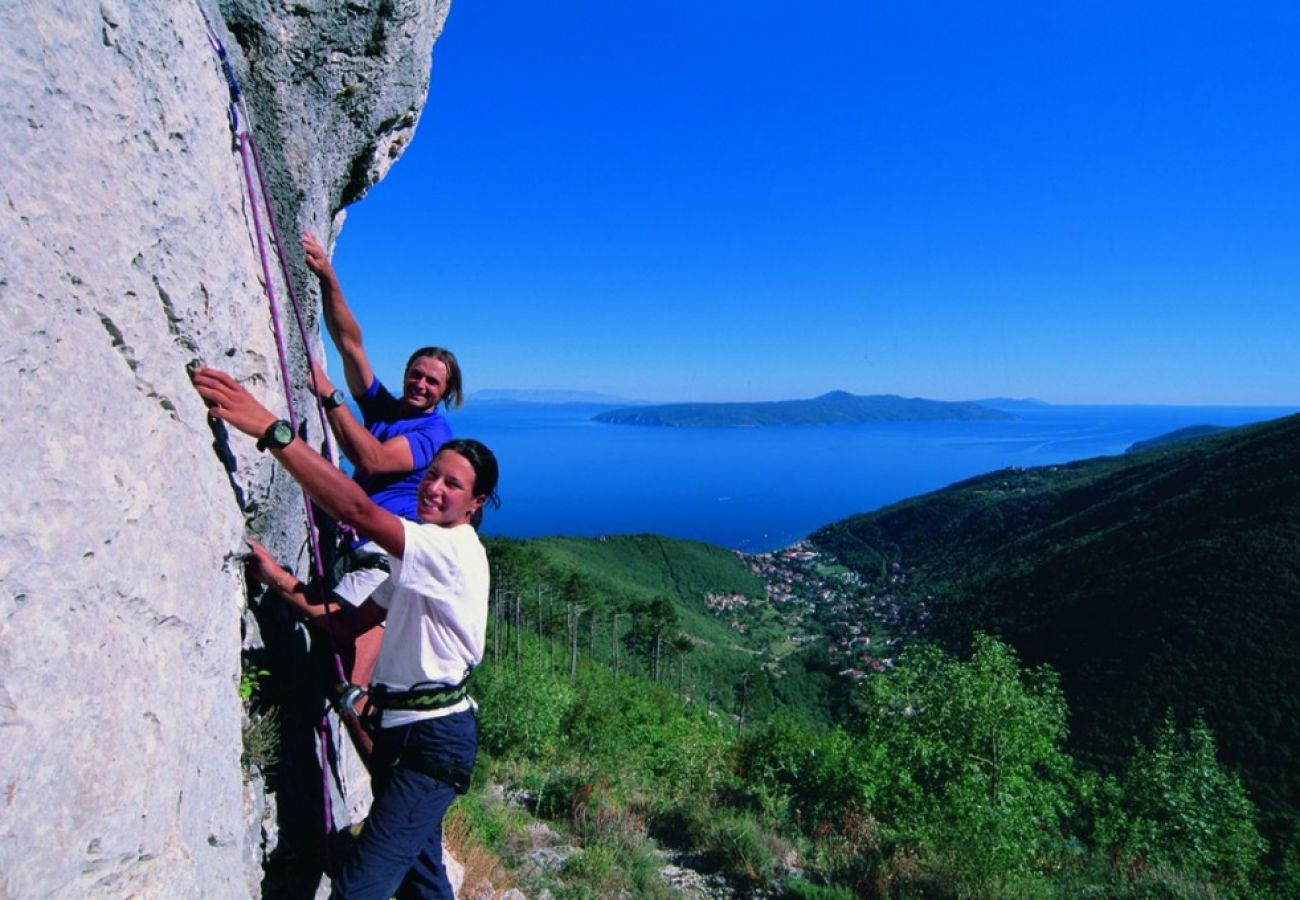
(125, 252)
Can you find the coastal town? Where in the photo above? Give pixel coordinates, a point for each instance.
(863, 620)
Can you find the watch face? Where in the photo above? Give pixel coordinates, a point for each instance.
(334, 400)
(278, 435)
(281, 434)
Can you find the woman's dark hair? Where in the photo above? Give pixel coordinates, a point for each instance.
(454, 395)
(484, 464)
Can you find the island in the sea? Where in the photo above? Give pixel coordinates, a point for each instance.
(836, 407)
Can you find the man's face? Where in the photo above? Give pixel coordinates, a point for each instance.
(424, 383)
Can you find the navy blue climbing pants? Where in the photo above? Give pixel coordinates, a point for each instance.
(399, 852)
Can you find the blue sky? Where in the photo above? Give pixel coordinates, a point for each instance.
(1084, 202)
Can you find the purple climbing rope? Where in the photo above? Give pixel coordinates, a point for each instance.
(254, 180)
(293, 293)
(313, 534)
(251, 162)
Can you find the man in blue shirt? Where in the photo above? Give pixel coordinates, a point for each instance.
(393, 445)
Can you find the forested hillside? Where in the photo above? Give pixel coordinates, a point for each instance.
(1164, 580)
(639, 742)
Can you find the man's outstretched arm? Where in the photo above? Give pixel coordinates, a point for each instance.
(367, 453)
(341, 324)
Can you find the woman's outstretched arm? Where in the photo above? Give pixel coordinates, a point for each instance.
(335, 492)
(344, 623)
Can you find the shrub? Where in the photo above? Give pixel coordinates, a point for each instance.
(799, 889)
(1179, 810)
(491, 822)
(847, 848)
(744, 852)
(596, 867)
(684, 825)
(558, 795)
(806, 774)
(261, 740)
(521, 711)
(645, 732)
(261, 730)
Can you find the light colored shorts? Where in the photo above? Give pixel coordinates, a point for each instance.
(355, 587)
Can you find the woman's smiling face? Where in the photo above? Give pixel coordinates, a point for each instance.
(446, 493)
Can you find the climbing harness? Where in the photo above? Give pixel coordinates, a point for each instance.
(419, 698)
(423, 697)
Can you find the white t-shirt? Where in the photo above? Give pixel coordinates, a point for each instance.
(437, 614)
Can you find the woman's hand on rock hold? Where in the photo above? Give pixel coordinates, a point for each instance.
(262, 567)
(229, 401)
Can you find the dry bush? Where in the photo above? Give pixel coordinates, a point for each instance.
(485, 877)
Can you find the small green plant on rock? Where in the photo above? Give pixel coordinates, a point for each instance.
(261, 731)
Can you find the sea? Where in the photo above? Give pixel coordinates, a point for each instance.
(762, 489)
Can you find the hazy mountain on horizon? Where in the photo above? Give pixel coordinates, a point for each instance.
(1007, 403)
(544, 395)
(829, 408)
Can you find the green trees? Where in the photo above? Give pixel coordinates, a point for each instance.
(1178, 811)
(953, 779)
(976, 778)
(976, 753)
(942, 777)
(1154, 581)
(957, 766)
(950, 779)
(655, 625)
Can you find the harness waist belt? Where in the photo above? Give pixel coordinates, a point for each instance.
(422, 699)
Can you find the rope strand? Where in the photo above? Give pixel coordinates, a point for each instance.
(255, 180)
(243, 143)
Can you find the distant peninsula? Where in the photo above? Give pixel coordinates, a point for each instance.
(1175, 437)
(836, 407)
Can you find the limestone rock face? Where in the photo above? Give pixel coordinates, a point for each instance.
(126, 251)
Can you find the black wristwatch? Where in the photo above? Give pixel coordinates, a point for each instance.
(334, 400)
(276, 437)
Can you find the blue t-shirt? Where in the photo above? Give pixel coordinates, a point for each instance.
(382, 414)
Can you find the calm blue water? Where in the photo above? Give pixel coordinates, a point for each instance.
(762, 488)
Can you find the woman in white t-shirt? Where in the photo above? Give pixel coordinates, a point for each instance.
(437, 621)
